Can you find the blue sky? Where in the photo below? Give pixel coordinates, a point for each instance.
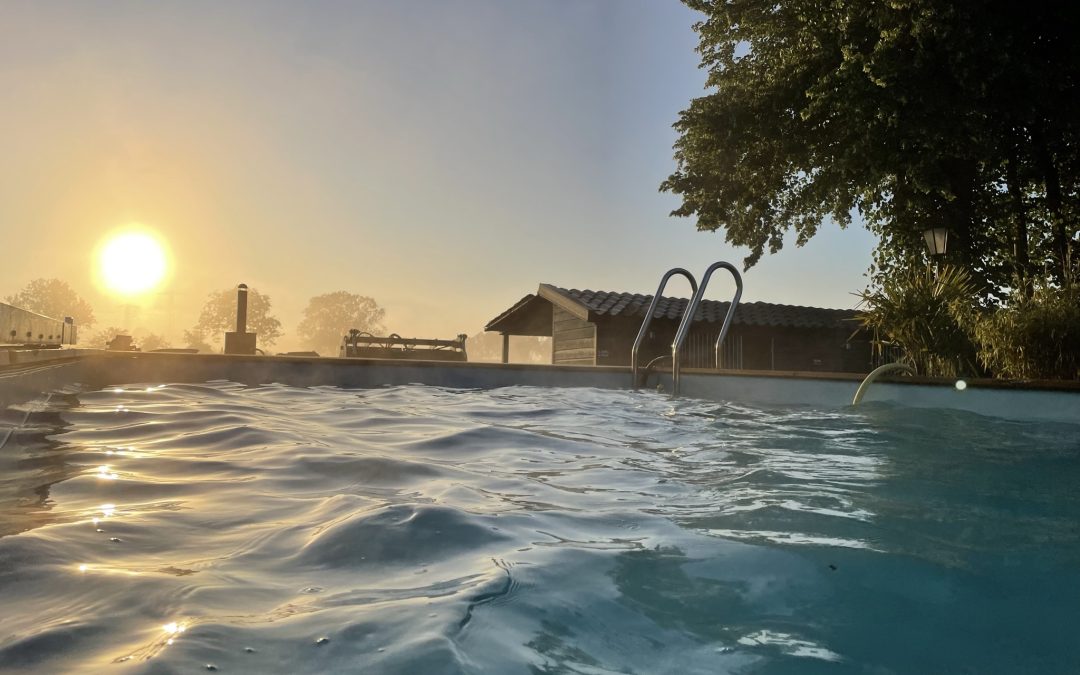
(443, 157)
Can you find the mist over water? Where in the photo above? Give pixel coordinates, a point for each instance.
(168, 528)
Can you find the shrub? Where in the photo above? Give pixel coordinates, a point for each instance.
(1036, 337)
(926, 315)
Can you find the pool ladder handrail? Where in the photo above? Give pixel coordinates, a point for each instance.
(877, 372)
(643, 331)
(688, 320)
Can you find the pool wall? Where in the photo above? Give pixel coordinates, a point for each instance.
(27, 375)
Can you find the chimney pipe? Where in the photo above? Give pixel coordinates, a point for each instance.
(241, 308)
(241, 341)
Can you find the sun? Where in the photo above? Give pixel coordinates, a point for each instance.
(132, 262)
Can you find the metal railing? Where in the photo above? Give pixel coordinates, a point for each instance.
(688, 320)
(361, 344)
(649, 316)
(877, 372)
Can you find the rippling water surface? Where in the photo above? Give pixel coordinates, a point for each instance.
(180, 528)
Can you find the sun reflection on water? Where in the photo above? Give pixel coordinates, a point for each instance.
(103, 472)
(173, 629)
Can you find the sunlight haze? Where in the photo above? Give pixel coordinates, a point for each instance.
(443, 158)
(131, 263)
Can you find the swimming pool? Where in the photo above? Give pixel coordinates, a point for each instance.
(175, 527)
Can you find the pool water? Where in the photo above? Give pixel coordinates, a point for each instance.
(181, 528)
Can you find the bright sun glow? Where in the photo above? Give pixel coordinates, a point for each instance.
(132, 263)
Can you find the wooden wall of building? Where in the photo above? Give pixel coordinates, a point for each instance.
(608, 343)
(803, 349)
(573, 339)
(615, 341)
(746, 347)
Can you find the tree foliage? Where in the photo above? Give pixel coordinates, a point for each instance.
(913, 113)
(219, 316)
(328, 317)
(53, 298)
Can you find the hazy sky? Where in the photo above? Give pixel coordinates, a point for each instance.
(442, 156)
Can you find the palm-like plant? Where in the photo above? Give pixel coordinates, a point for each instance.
(926, 315)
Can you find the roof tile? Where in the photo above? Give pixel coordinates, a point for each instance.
(606, 303)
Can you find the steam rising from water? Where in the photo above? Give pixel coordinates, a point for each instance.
(422, 529)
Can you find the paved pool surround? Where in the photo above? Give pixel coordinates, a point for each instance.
(25, 374)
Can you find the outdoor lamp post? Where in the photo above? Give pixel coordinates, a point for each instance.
(936, 240)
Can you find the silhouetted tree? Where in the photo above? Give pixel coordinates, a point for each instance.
(194, 339)
(152, 341)
(328, 317)
(53, 298)
(219, 316)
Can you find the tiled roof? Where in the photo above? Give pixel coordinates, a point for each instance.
(634, 305)
(520, 304)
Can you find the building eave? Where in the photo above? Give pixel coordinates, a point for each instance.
(553, 295)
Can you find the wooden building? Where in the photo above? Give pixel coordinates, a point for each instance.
(599, 327)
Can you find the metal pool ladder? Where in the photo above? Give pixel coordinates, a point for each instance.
(649, 316)
(688, 319)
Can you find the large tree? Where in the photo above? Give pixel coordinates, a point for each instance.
(913, 113)
(329, 317)
(219, 316)
(53, 298)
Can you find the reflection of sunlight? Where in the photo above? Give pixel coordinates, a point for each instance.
(788, 538)
(84, 568)
(170, 633)
(173, 629)
(108, 510)
(103, 472)
(789, 644)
